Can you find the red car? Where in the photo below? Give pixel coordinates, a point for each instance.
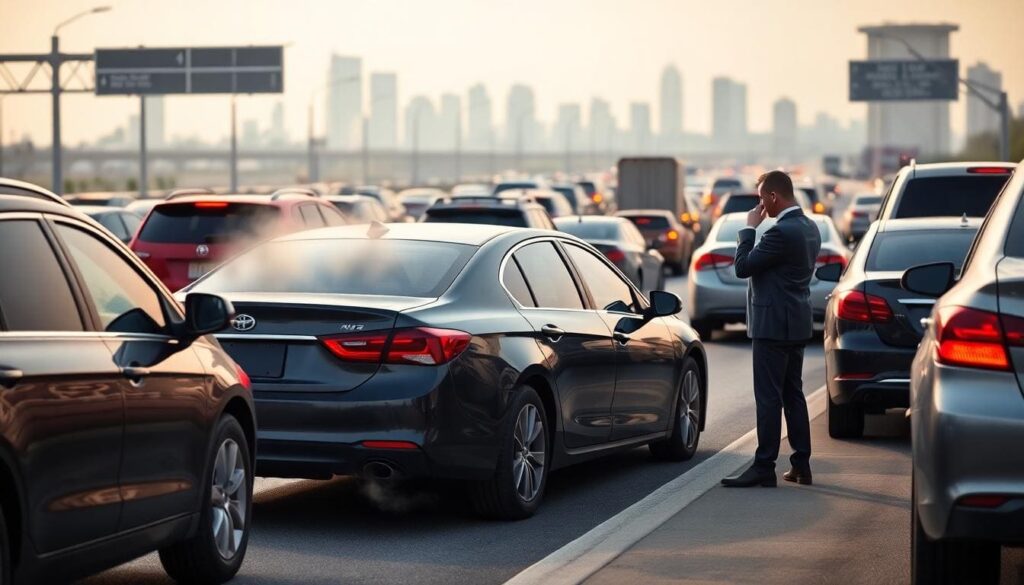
(189, 234)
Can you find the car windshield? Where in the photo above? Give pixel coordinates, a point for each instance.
(569, 193)
(950, 196)
(730, 229)
(900, 250)
(589, 230)
(207, 222)
(867, 201)
(588, 187)
(649, 222)
(477, 216)
(409, 268)
(511, 186)
(737, 203)
(726, 185)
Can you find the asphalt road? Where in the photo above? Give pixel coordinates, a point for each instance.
(340, 531)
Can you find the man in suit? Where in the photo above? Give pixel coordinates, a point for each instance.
(779, 323)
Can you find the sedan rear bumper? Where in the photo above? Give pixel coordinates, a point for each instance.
(859, 368)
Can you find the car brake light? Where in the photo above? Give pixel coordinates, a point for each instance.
(858, 213)
(615, 255)
(399, 445)
(1013, 330)
(863, 308)
(642, 221)
(989, 170)
(831, 259)
(712, 260)
(983, 501)
(672, 235)
(971, 338)
(420, 346)
(211, 204)
(685, 217)
(243, 378)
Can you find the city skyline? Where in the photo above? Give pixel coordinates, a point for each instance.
(647, 38)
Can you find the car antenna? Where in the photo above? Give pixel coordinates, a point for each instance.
(580, 220)
(963, 220)
(377, 230)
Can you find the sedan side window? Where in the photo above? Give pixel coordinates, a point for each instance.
(125, 302)
(610, 292)
(514, 281)
(549, 278)
(34, 291)
(311, 217)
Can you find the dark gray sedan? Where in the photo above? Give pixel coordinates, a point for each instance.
(622, 243)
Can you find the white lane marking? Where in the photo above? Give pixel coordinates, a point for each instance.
(581, 558)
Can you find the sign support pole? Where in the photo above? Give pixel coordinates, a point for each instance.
(143, 171)
(57, 164)
(234, 148)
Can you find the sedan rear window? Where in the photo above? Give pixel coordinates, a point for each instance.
(207, 222)
(739, 203)
(899, 251)
(589, 230)
(511, 186)
(408, 268)
(950, 196)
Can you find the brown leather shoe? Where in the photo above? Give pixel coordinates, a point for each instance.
(800, 476)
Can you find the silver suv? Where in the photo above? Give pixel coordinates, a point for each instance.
(967, 404)
(945, 189)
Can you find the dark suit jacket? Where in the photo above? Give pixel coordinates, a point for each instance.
(780, 268)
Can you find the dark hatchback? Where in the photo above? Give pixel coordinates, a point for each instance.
(124, 428)
(873, 325)
(469, 352)
(507, 211)
(619, 240)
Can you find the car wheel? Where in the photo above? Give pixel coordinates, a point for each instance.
(215, 553)
(5, 553)
(681, 445)
(845, 421)
(703, 327)
(516, 490)
(949, 562)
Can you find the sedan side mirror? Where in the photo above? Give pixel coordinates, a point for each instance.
(830, 272)
(206, 313)
(664, 304)
(929, 279)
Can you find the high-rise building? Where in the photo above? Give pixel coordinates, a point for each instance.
(481, 128)
(345, 103)
(918, 125)
(449, 122)
(521, 131)
(670, 119)
(420, 124)
(250, 137)
(980, 117)
(154, 121)
(277, 135)
(601, 127)
(729, 117)
(784, 128)
(383, 123)
(567, 133)
(640, 127)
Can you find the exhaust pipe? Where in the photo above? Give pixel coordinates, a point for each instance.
(379, 470)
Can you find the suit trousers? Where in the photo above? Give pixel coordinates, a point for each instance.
(778, 388)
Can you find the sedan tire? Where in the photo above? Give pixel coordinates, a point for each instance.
(950, 562)
(845, 421)
(517, 488)
(215, 553)
(681, 445)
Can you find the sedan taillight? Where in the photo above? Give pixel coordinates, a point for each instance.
(854, 305)
(712, 260)
(424, 346)
(615, 255)
(977, 339)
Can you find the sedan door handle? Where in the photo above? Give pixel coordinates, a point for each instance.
(10, 376)
(621, 337)
(553, 332)
(134, 372)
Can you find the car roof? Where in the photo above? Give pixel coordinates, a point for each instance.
(636, 212)
(919, 224)
(350, 198)
(97, 209)
(251, 199)
(953, 168)
(590, 219)
(470, 234)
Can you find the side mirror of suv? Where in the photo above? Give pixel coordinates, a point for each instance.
(206, 313)
(929, 279)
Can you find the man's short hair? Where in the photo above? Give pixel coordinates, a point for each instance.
(777, 181)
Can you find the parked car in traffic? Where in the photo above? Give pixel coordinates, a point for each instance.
(518, 185)
(663, 232)
(552, 201)
(735, 203)
(945, 189)
(517, 211)
(483, 353)
(359, 208)
(621, 243)
(857, 217)
(873, 325)
(472, 189)
(417, 200)
(967, 405)
(719, 186)
(124, 427)
(386, 197)
(577, 197)
(188, 234)
(600, 196)
(141, 207)
(120, 222)
(718, 297)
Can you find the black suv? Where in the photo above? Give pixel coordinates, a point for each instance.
(508, 211)
(124, 428)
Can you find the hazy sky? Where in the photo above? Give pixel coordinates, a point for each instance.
(568, 50)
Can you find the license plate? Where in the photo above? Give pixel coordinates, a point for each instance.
(197, 269)
(259, 360)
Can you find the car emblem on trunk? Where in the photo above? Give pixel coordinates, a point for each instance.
(348, 328)
(243, 322)
(202, 250)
